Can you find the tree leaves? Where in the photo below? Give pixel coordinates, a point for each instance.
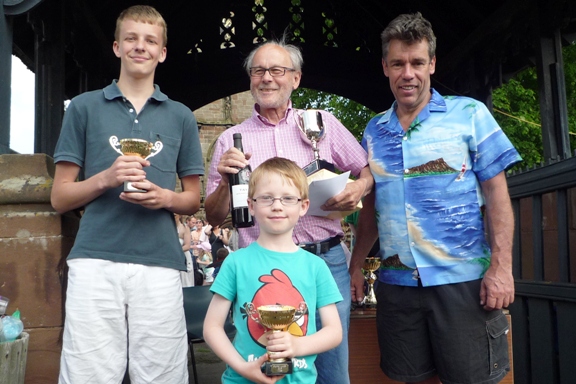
(351, 114)
(517, 109)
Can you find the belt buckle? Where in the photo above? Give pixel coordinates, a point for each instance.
(312, 248)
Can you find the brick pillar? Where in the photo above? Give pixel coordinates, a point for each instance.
(34, 243)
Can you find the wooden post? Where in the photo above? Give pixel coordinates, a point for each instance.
(13, 364)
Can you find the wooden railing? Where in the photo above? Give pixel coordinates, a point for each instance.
(544, 311)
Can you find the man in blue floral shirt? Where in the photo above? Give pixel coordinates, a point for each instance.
(438, 165)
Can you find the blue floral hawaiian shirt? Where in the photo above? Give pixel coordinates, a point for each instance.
(428, 193)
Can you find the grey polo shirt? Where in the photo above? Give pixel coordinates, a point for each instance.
(112, 229)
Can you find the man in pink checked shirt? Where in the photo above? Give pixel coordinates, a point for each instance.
(275, 71)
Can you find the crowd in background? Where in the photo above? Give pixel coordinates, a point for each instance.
(205, 248)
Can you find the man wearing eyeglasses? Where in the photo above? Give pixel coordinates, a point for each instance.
(275, 70)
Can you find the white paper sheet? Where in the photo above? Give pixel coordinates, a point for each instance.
(322, 190)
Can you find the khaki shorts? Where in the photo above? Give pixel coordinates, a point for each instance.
(440, 330)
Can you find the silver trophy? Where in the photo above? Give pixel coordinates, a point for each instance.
(135, 147)
(311, 126)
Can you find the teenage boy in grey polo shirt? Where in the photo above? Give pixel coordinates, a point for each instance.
(124, 297)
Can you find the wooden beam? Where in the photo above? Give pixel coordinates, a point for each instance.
(494, 25)
(5, 79)
(48, 24)
(97, 39)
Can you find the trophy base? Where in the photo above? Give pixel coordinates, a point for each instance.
(370, 302)
(317, 165)
(129, 188)
(277, 368)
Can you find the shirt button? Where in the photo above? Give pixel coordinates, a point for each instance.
(412, 243)
(406, 170)
(405, 138)
(130, 110)
(136, 121)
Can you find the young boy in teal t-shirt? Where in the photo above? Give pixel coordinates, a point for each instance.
(274, 270)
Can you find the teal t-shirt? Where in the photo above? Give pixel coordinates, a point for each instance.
(260, 276)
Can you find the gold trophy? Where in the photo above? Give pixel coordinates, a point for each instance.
(135, 147)
(371, 264)
(311, 125)
(277, 318)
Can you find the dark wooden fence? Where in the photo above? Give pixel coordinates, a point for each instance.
(544, 311)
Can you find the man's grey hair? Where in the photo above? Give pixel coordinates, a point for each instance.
(409, 28)
(294, 52)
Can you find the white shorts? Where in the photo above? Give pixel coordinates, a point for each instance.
(117, 312)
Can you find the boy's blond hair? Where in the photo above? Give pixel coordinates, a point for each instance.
(288, 171)
(143, 14)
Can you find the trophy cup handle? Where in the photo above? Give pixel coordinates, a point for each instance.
(300, 311)
(251, 311)
(115, 144)
(155, 149)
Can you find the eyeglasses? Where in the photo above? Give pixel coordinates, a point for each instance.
(266, 201)
(273, 71)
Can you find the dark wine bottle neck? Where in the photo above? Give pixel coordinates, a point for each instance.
(238, 142)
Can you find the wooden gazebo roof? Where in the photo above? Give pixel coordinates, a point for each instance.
(480, 43)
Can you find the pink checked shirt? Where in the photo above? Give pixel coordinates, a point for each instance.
(264, 140)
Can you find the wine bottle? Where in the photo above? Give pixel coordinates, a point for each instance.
(241, 217)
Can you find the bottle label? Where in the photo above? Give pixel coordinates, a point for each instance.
(240, 196)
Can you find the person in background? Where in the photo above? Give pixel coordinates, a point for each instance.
(233, 240)
(187, 277)
(269, 271)
(126, 259)
(217, 237)
(205, 259)
(202, 225)
(275, 69)
(195, 230)
(220, 257)
(193, 221)
(439, 169)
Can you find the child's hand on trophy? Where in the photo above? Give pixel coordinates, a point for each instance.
(281, 345)
(252, 370)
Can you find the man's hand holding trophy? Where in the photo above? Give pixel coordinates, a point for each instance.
(135, 147)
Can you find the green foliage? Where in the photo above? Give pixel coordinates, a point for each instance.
(569, 57)
(353, 115)
(517, 109)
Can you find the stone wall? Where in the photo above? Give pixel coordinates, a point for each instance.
(34, 242)
(230, 110)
